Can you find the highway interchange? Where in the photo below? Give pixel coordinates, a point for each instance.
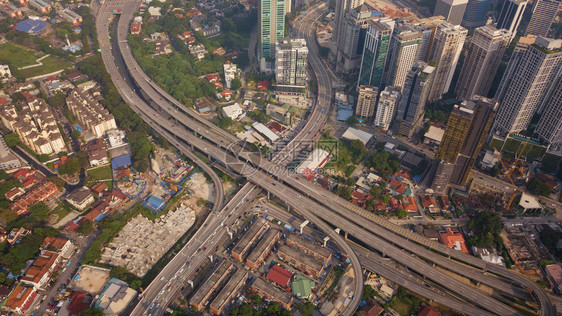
(313, 202)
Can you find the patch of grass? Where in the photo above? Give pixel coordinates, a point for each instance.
(16, 56)
(404, 302)
(63, 209)
(50, 64)
(100, 173)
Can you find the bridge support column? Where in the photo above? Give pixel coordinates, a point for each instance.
(346, 235)
(192, 147)
(268, 196)
(303, 225)
(211, 258)
(326, 240)
(190, 283)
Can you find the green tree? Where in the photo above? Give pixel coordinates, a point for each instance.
(401, 213)
(486, 227)
(236, 84)
(352, 120)
(91, 311)
(75, 134)
(40, 211)
(86, 228)
(12, 140)
(538, 187)
(369, 292)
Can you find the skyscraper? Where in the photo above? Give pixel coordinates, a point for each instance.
(386, 107)
(526, 85)
(403, 53)
(446, 51)
(343, 7)
(414, 97)
(291, 61)
(427, 27)
(476, 13)
(549, 127)
(350, 45)
(483, 57)
(513, 63)
(544, 12)
(510, 15)
(272, 26)
(375, 52)
(452, 10)
(366, 102)
(466, 130)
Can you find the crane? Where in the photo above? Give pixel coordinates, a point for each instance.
(509, 171)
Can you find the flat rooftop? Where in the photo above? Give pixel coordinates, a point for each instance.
(229, 289)
(301, 257)
(263, 244)
(244, 243)
(312, 246)
(218, 275)
(272, 291)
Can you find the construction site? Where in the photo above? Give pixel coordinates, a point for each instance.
(142, 242)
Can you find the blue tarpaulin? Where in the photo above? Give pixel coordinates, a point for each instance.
(121, 161)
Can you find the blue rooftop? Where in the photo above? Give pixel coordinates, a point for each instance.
(31, 26)
(121, 161)
(344, 112)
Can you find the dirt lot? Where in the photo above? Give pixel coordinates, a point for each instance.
(200, 187)
(92, 280)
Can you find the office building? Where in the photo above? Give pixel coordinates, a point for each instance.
(452, 10)
(466, 131)
(510, 15)
(291, 61)
(366, 102)
(414, 97)
(544, 12)
(403, 53)
(343, 7)
(271, 17)
(476, 13)
(526, 83)
(350, 44)
(386, 107)
(513, 63)
(373, 62)
(549, 127)
(483, 58)
(446, 50)
(427, 27)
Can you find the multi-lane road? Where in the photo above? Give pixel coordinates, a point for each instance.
(170, 280)
(314, 202)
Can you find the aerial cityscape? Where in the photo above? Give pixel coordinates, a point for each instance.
(281, 157)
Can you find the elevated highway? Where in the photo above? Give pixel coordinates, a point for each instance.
(334, 206)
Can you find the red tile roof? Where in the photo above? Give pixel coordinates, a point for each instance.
(55, 242)
(279, 275)
(40, 266)
(428, 201)
(429, 311)
(453, 240)
(79, 301)
(18, 297)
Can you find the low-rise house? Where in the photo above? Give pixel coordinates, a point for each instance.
(40, 193)
(41, 6)
(41, 270)
(16, 235)
(60, 245)
(453, 240)
(11, 10)
(554, 273)
(80, 198)
(233, 111)
(14, 193)
(136, 28)
(70, 16)
(20, 299)
(489, 255)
